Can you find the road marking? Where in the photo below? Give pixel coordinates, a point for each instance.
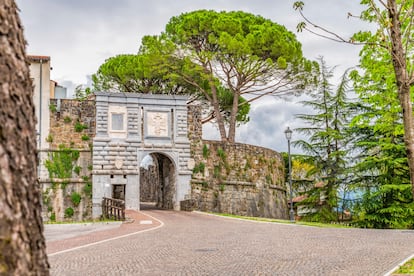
(389, 273)
(111, 239)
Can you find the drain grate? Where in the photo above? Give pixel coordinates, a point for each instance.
(206, 250)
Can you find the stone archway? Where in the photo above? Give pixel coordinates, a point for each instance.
(158, 180)
(129, 127)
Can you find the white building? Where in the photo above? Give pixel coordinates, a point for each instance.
(44, 90)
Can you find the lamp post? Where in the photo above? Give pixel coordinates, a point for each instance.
(288, 134)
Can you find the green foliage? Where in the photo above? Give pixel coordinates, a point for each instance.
(222, 187)
(49, 138)
(206, 151)
(221, 154)
(217, 171)
(382, 172)
(82, 93)
(77, 169)
(53, 216)
(407, 268)
(87, 189)
(67, 119)
(52, 108)
(75, 198)
(69, 212)
(217, 57)
(61, 162)
(85, 137)
(328, 138)
(79, 127)
(323, 214)
(390, 206)
(199, 168)
(247, 49)
(204, 186)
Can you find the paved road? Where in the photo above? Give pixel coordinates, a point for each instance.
(199, 244)
(54, 232)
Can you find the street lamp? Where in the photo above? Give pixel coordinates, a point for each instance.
(288, 134)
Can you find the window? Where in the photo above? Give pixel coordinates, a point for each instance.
(117, 121)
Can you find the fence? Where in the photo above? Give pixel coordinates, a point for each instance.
(113, 208)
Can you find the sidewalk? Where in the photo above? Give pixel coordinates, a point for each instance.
(61, 237)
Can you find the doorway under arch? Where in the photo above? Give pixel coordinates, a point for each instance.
(158, 180)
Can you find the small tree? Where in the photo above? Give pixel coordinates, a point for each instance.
(328, 139)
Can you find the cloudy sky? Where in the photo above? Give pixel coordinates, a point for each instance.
(79, 35)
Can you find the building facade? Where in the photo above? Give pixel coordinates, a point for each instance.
(40, 74)
(130, 127)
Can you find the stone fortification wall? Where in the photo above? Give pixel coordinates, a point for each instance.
(72, 123)
(239, 179)
(66, 185)
(236, 179)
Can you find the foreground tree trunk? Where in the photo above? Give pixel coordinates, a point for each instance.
(22, 245)
(403, 83)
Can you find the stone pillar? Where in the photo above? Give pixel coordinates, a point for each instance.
(101, 188)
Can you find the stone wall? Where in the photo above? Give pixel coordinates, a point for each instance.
(72, 128)
(239, 179)
(130, 126)
(67, 201)
(72, 123)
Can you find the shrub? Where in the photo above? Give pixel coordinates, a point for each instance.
(49, 138)
(53, 108)
(206, 151)
(77, 169)
(87, 189)
(221, 153)
(67, 119)
(69, 212)
(199, 168)
(76, 198)
(79, 127)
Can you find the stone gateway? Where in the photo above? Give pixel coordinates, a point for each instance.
(130, 127)
(149, 148)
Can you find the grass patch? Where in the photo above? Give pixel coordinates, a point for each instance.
(314, 224)
(407, 268)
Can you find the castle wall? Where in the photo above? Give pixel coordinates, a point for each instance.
(239, 179)
(205, 175)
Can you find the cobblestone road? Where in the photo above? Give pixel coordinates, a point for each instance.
(199, 244)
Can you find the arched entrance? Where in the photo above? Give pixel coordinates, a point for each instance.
(130, 126)
(158, 181)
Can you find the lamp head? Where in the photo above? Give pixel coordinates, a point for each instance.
(288, 133)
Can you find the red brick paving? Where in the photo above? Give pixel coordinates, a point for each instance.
(132, 225)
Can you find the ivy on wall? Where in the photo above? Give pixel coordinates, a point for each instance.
(61, 163)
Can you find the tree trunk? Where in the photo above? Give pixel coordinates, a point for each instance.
(233, 117)
(402, 77)
(22, 245)
(219, 118)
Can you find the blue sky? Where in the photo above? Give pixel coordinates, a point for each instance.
(80, 35)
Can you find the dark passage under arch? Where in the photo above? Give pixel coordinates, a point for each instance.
(157, 181)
